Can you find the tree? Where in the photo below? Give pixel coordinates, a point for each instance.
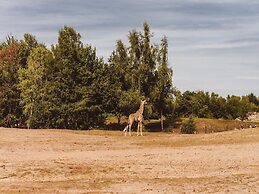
(217, 106)
(34, 86)
(142, 61)
(184, 107)
(79, 82)
(162, 93)
(148, 61)
(65, 76)
(124, 97)
(134, 60)
(142, 68)
(119, 66)
(253, 99)
(10, 109)
(200, 102)
(233, 106)
(28, 43)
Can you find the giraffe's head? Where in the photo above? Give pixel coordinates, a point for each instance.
(144, 101)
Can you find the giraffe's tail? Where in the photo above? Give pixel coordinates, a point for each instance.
(126, 128)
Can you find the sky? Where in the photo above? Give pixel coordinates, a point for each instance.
(213, 45)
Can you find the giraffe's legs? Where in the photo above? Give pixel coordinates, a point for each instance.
(125, 131)
(141, 128)
(138, 128)
(130, 129)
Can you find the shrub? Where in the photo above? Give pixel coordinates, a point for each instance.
(188, 126)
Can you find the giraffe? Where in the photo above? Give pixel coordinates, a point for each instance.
(138, 117)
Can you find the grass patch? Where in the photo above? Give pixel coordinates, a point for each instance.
(219, 125)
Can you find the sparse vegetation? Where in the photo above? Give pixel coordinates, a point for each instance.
(188, 126)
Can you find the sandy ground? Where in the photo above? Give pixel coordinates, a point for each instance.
(65, 161)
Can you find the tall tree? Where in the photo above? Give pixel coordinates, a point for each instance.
(34, 86)
(143, 67)
(28, 43)
(148, 62)
(66, 54)
(142, 59)
(135, 54)
(162, 93)
(122, 93)
(120, 66)
(79, 80)
(10, 110)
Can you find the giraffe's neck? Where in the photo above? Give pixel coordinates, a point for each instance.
(141, 108)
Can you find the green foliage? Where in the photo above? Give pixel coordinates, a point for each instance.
(204, 105)
(78, 82)
(142, 69)
(253, 99)
(70, 87)
(254, 106)
(188, 126)
(163, 90)
(26, 46)
(33, 86)
(66, 77)
(10, 110)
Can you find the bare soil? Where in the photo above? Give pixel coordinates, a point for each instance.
(66, 161)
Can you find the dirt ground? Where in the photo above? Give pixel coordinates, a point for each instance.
(66, 161)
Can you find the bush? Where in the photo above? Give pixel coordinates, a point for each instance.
(188, 126)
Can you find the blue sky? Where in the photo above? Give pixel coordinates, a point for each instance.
(213, 45)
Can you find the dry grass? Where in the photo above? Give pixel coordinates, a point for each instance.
(97, 161)
(215, 125)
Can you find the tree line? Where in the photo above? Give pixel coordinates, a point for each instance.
(68, 86)
(211, 105)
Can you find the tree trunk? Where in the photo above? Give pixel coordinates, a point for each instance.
(29, 123)
(161, 119)
(119, 120)
(139, 87)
